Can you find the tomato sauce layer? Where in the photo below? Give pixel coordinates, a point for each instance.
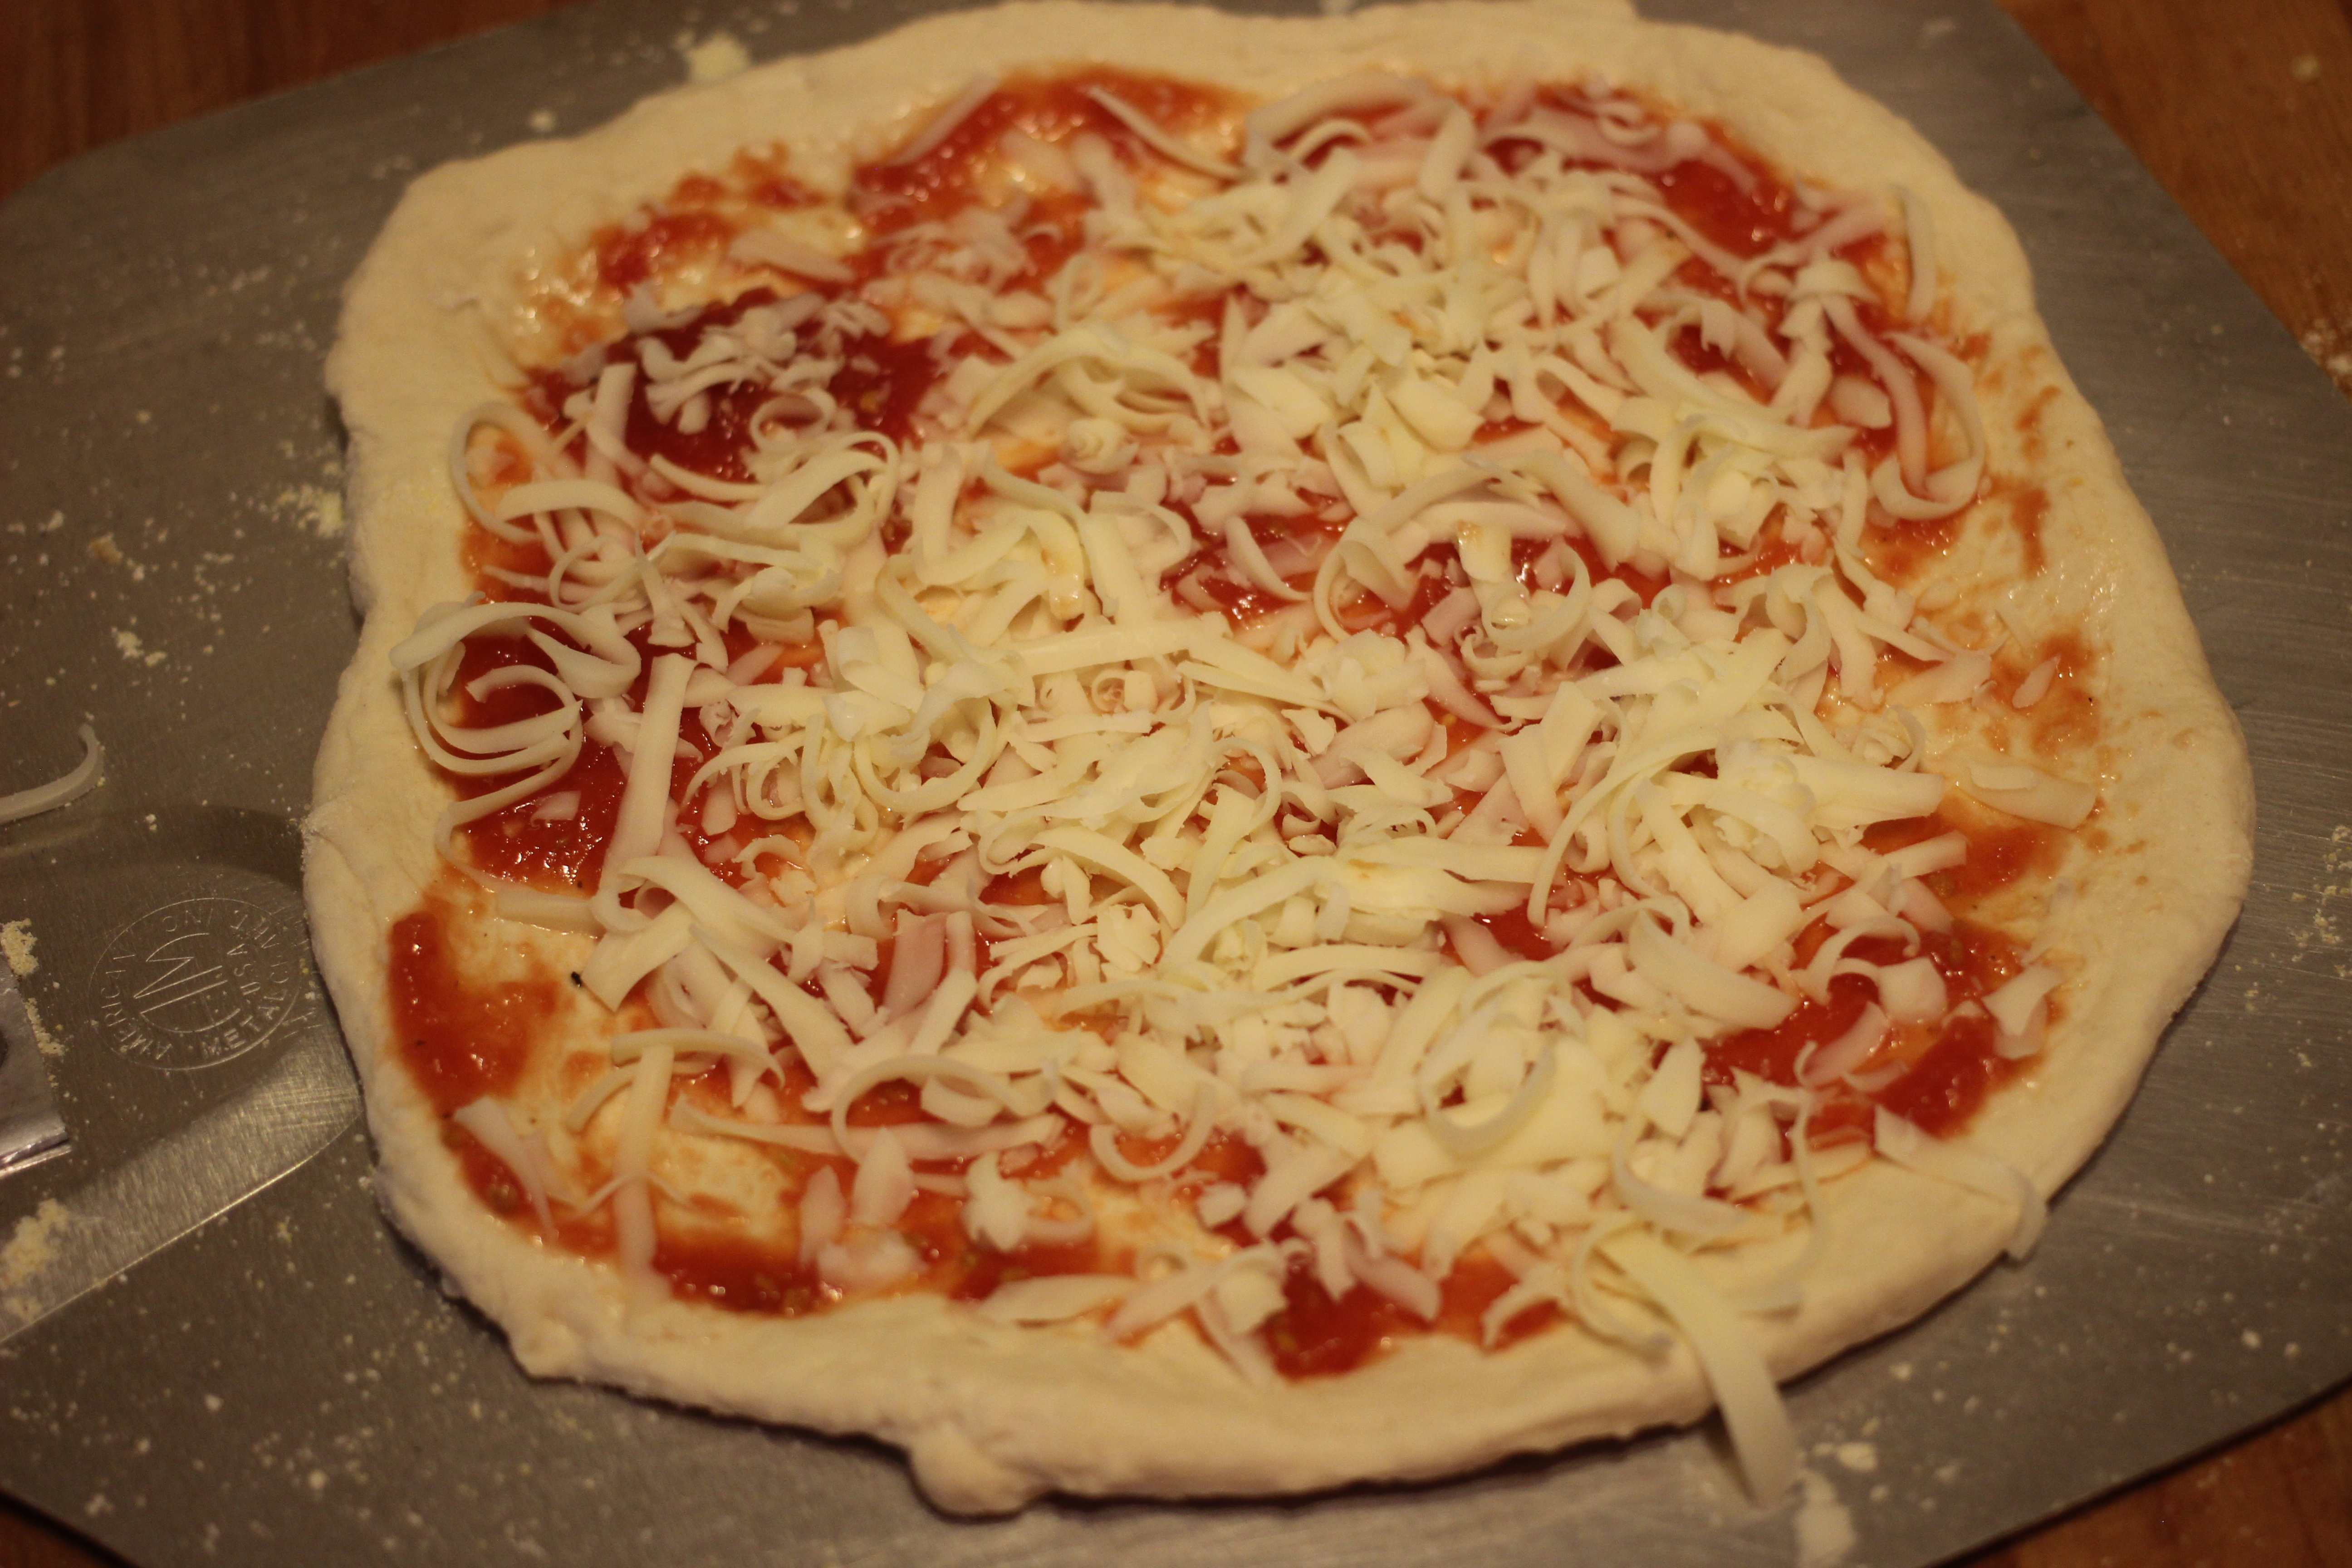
(1316, 1335)
(938, 176)
(1940, 1073)
(556, 839)
(462, 1038)
(459, 1039)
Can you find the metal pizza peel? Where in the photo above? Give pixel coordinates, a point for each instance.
(212, 1349)
(30, 1128)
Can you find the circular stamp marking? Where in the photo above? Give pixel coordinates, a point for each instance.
(197, 983)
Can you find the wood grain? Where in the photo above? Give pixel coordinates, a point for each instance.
(2244, 110)
(76, 74)
(2244, 113)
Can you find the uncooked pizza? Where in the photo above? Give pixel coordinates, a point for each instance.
(1252, 753)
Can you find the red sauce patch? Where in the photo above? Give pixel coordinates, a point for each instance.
(2002, 851)
(460, 1039)
(2031, 440)
(1998, 856)
(2027, 510)
(1645, 587)
(1947, 1070)
(1026, 886)
(717, 447)
(761, 175)
(1316, 1335)
(2027, 506)
(1900, 550)
(1519, 935)
(2066, 720)
(1744, 220)
(636, 253)
(1370, 613)
(1212, 573)
(985, 1268)
(561, 853)
(1943, 1086)
(1772, 551)
(751, 1276)
(1223, 1158)
(946, 178)
(884, 383)
(1704, 358)
(485, 554)
(892, 1104)
(565, 854)
(739, 1276)
(882, 380)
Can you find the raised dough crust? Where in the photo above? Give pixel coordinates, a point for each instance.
(993, 1416)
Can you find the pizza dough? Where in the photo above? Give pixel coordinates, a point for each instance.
(991, 1414)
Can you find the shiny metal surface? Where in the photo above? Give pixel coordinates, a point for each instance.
(30, 1129)
(197, 1056)
(285, 1385)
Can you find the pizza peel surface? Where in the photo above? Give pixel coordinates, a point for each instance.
(1444, 712)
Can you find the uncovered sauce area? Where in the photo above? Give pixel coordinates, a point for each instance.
(462, 1038)
(1941, 1073)
(938, 178)
(459, 1039)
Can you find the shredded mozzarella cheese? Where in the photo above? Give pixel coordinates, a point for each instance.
(1240, 738)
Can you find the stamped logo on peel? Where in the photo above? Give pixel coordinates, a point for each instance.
(198, 982)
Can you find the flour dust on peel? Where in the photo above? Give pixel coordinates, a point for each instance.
(1141, 757)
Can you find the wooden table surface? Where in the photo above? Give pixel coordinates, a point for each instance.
(2242, 108)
